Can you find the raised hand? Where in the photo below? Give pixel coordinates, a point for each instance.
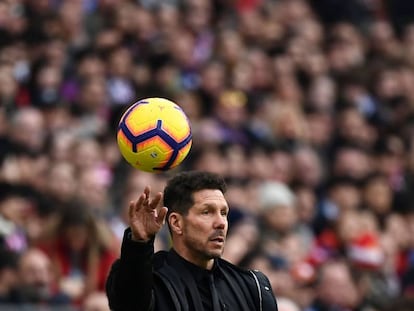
(146, 216)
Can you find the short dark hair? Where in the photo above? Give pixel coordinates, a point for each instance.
(178, 193)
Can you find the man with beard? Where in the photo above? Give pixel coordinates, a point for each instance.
(36, 282)
(191, 276)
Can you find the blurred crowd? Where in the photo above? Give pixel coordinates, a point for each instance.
(306, 107)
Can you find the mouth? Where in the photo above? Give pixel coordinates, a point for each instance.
(218, 240)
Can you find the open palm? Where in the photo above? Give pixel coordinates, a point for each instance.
(146, 216)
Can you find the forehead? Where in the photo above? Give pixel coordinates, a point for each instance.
(208, 196)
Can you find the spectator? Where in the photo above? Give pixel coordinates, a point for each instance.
(8, 277)
(83, 252)
(37, 284)
(14, 205)
(96, 302)
(286, 304)
(334, 275)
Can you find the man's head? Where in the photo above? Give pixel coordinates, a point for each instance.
(197, 215)
(36, 276)
(333, 275)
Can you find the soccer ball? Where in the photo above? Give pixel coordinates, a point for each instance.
(154, 135)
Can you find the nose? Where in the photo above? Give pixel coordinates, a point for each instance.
(220, 221)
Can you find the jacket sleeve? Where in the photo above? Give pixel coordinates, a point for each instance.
(129, 285)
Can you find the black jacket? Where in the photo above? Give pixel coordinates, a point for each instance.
(142, 280)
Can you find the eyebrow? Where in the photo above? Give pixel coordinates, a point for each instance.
(209, 205)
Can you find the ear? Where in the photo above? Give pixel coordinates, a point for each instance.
(176, 223)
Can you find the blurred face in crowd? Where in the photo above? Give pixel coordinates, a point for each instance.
(382, 37)
(245, 235)
(97, 301)
(285, 304)
(181, 46)
(262, 77)
(15, 208)
(28, 128)
(231, 109)
(120, 63)
(349, 226)
(198, 14)
(236, 162)
(259, 164)
(345, 196)
(91, 66)
(377, 195)
(308, 166)
(281, 218)
(87, 153)
(61, 181)
(61, 146)
(322, 93)
(289, 123)
(191, 105)
(213, 78)
(320, 125)
(230, 46)
(144, 24)
(211, 160)
(352, 162)
(49, 77)
(306, 203)
(168, 17)
(93, 94)
(387, 85)
(35, 274)
(93, 187)
(353, 127)
(76, 237)
(281, 166)
(8, 84)
(335, 276)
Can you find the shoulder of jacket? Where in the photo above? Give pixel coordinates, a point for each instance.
(261, 278)
(267, 297)
(226, 264)
(259, 281)
(244, 271)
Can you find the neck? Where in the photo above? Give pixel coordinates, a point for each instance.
(198, 260)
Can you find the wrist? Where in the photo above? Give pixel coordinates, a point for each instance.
(140, 239)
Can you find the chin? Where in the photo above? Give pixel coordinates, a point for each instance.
(215, 253)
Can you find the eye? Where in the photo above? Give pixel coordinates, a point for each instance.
(205, 212)
(224, 212)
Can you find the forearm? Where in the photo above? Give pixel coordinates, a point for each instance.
(130, 283)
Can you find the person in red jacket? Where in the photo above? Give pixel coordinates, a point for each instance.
(83, 253)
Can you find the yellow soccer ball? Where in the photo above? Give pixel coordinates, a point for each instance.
(154, 135)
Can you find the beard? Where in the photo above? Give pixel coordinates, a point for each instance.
(35, 293)
(200, 246)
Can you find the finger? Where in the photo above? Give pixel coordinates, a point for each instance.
(147, 192)
(131, 210)
(155, 202)
(161, 215)
(136, 205)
